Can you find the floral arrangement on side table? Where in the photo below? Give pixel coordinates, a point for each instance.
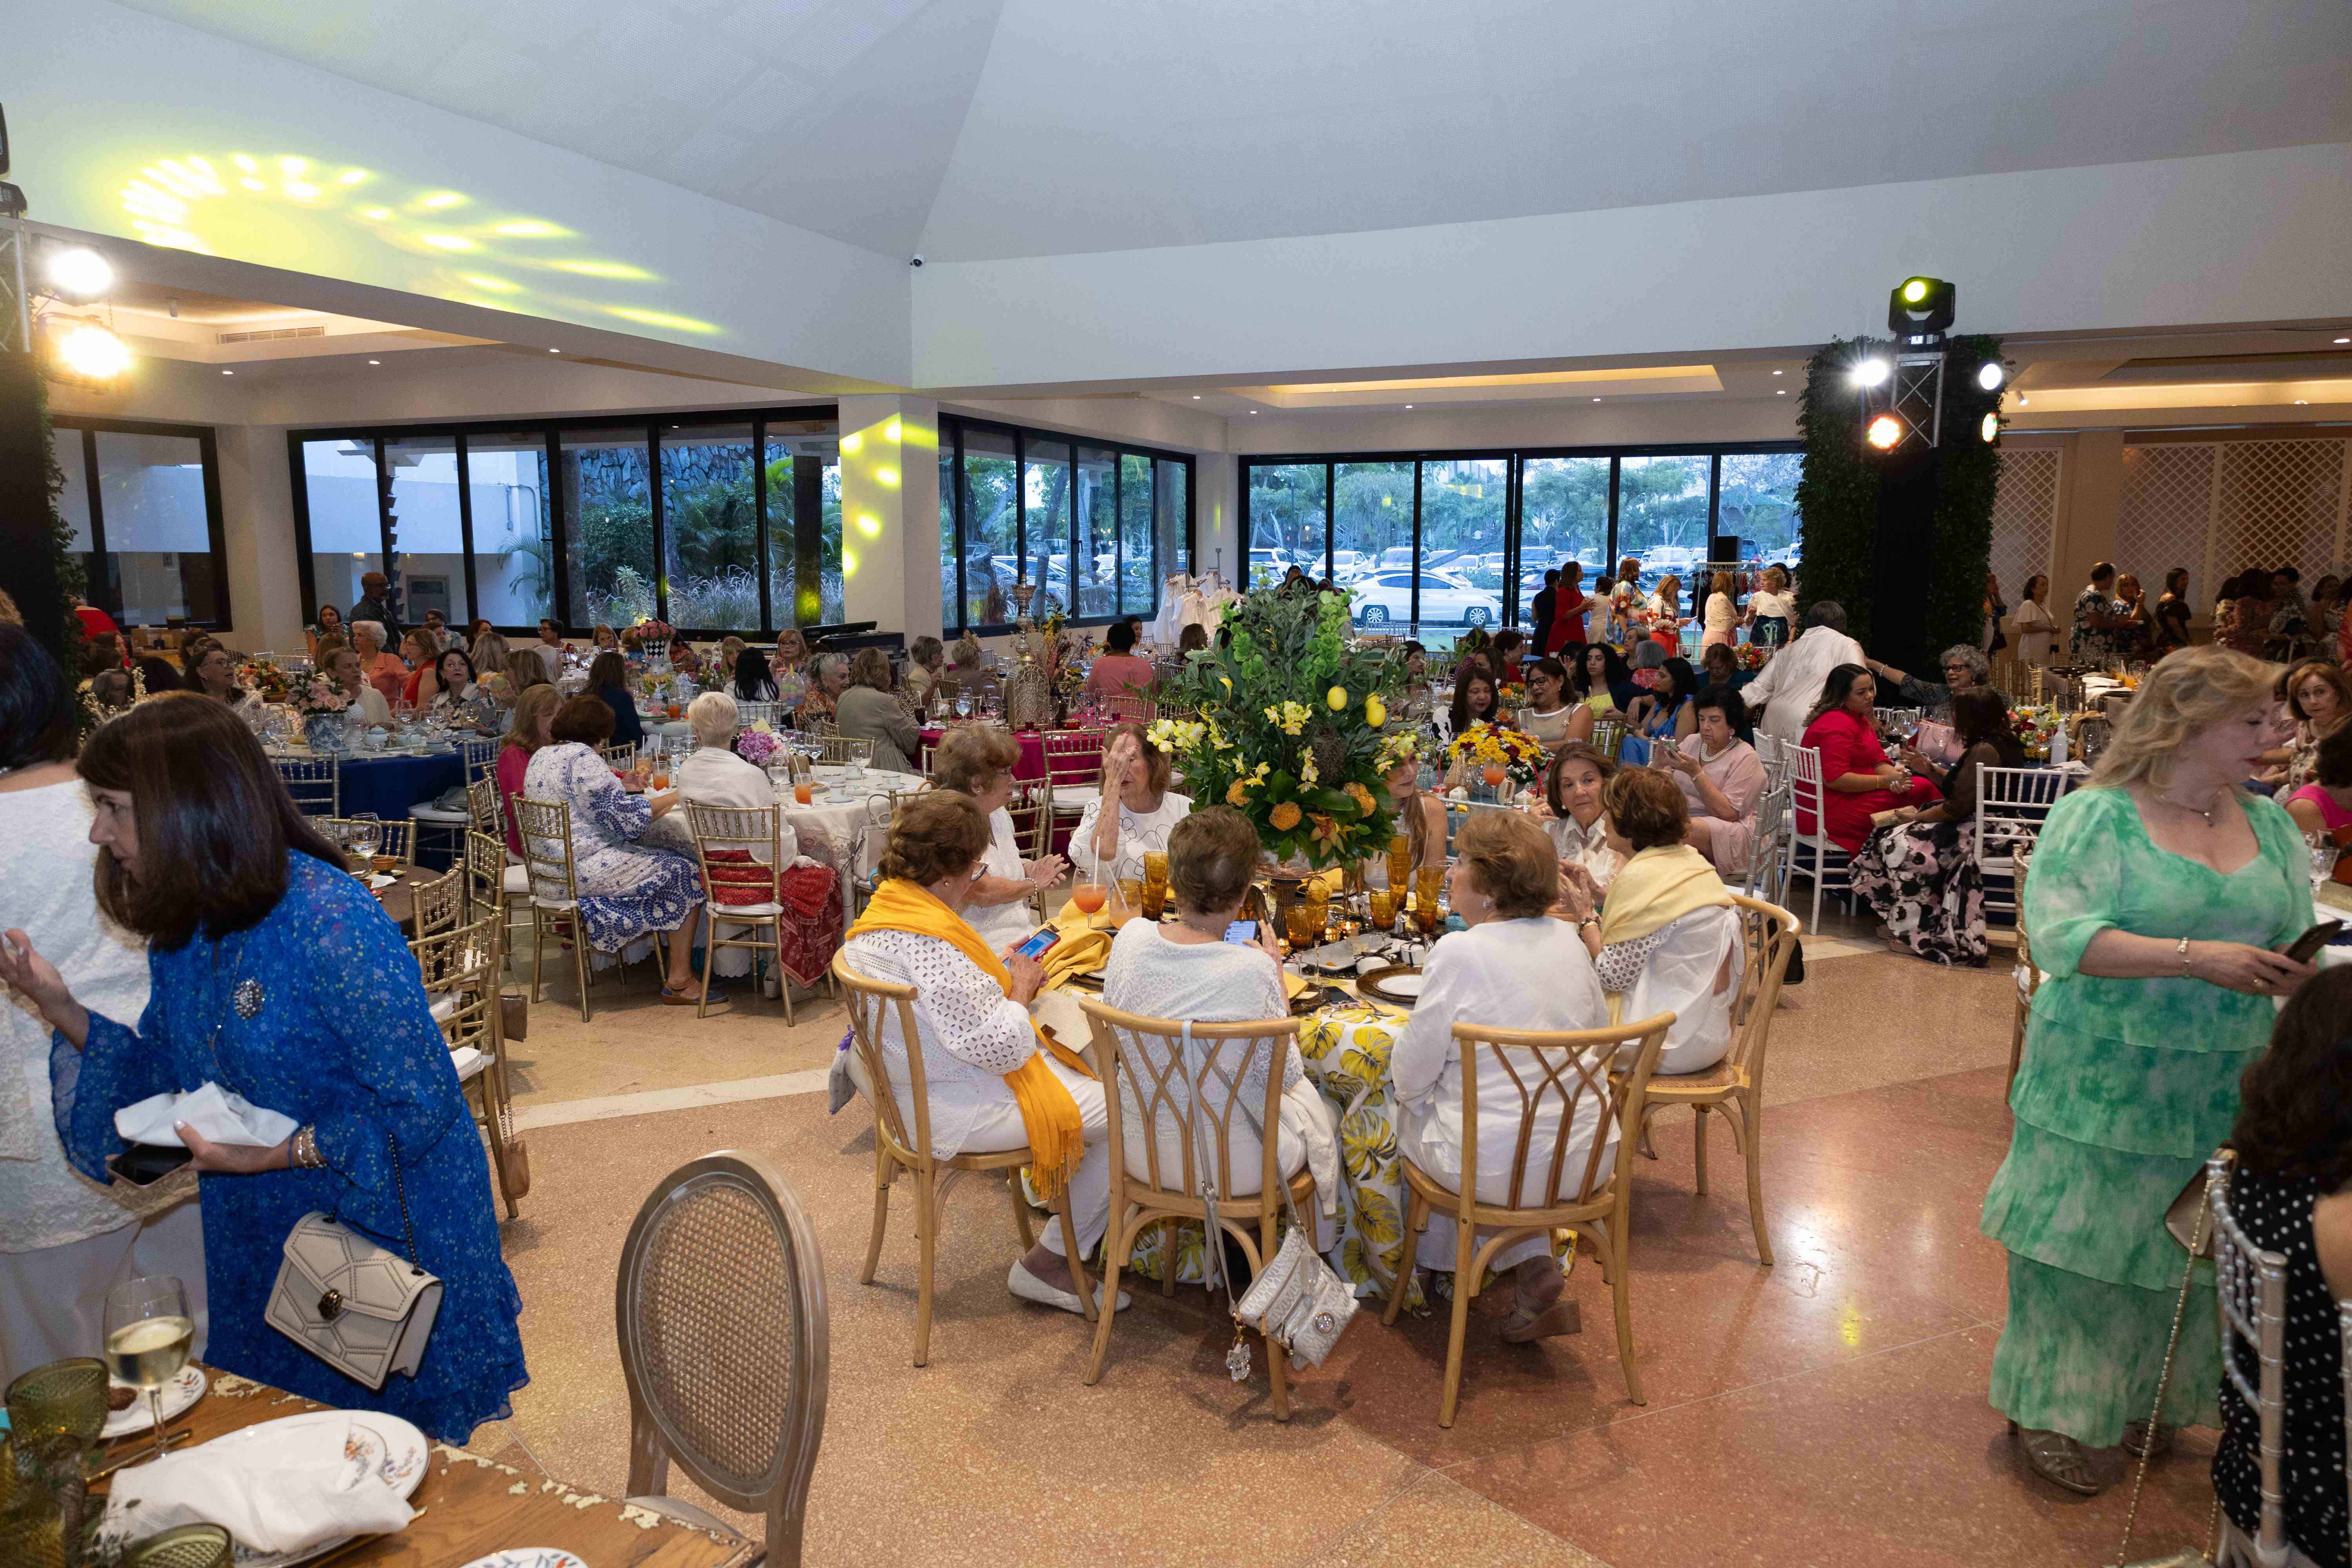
(756, 746)
(1519, 754)
(1291, 728)
(1750, 656)
(2033, 728)
(266, 681)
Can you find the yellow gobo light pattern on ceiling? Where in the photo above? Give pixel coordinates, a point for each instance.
(291, 211)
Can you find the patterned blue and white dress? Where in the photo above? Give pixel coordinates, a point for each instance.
(626, 889)
(341, 1042)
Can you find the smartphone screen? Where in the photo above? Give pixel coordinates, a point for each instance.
(1241, 931)
(1043, 938)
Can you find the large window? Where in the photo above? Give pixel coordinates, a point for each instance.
(1097, 529)
(1444, 541)
(143, 502)
(714, 523)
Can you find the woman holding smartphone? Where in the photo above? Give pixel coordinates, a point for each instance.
(2160, 899)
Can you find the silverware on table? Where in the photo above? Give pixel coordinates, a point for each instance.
(141, 1452)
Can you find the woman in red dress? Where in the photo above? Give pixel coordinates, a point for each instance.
(1568, 610)
(1857, 781)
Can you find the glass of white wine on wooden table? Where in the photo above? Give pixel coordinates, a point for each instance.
(149, 1333)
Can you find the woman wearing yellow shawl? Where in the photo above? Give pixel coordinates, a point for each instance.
(1667, 937)
(995, 1082)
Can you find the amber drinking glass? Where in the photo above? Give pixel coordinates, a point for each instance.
(1384, 902)
(1425, 885)
(1155, 883)
(1399, 863)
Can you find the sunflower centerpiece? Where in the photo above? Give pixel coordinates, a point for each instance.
(1290, 727)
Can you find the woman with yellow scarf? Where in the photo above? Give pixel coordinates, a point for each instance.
(995, 1082)
(1667, 937)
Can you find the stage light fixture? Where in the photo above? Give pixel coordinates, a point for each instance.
(1871, 373)
(1989, 375)
(1920, 307)
(1990, 427)
(1885, 432)
(90, 351)
(79, 274)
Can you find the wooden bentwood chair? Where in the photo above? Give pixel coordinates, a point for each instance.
(1556, 1073)
(1147, 1053)
(725, 1344)
(1734, 1088)
(895, 1148)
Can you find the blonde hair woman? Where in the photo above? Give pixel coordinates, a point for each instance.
(2158, 898)
(1772, 609)
(1722, 614)
(526, 733)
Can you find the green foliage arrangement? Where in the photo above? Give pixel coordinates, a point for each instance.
(1837, 495)
(1294, 729)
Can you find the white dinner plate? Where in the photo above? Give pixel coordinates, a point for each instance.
(397, 1450)
(529, 1557)
(179, 1395)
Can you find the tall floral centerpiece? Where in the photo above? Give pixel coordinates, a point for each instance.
(321, 704)
(1291, 729)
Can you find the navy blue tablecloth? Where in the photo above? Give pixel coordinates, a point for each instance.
(387, 786)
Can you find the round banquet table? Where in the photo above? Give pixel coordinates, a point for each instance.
(387, 786)
(1031, 764)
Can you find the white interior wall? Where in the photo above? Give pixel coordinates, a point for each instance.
(2236, 237)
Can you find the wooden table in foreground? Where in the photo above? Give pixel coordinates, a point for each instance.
(468, 1508)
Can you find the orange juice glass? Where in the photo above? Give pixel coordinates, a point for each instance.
(1088, 896)
(802, 792)
(1495, 776)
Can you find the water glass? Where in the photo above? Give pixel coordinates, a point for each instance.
(2324, 853)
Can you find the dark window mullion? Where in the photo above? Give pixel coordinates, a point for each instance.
(1330, 512)
(104, 590)
(466, 529)
(1412, 616)
(653, 508)
(1714, 500)
(384, 530)
(760, 556)
(1611, 563)
(962, 513)
(559, 533)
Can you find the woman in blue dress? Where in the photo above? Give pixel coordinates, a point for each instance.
(277, 976)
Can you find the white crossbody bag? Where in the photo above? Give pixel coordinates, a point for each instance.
(1297, 1300)
(360, 1307)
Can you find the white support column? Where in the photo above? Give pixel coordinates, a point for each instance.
(891, 514)
(1216, 517)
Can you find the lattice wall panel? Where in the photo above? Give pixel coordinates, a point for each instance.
(2279, 502)
(2024, 516)
(2168, 501)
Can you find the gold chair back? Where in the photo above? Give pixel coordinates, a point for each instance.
(482, 804)
(394, 838)
(441, 902)
(725, 1341)
(545, 829)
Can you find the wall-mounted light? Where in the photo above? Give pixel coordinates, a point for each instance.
(93, 352)
(80, 274)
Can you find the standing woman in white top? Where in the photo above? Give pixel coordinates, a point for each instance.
(978, 759)
(64, 1241)
(2037, 629)
(1135, 811)
(1514, 966)
(1722, 614)
(1772, 609)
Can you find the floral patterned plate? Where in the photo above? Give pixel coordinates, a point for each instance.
(394, 1448)
(529, 1557)
(180, 1396)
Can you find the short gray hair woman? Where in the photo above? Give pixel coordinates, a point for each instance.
(1965, 666)
(712, 774)
(866, 711)
(925, 656)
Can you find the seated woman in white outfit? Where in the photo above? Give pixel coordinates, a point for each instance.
(987, 1069)
(1722, 781)
(978, 760)
(712, 774)
(1188, 970)
(1134, 812)
(1515, 967)
(1579, 829)
(1667, 935)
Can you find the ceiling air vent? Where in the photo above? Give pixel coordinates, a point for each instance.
(272, 336)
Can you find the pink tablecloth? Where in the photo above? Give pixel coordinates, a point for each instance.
(1032, 766)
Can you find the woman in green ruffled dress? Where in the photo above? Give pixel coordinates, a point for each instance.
(2157, 899)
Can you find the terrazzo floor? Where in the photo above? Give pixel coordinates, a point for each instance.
(1829, 1408)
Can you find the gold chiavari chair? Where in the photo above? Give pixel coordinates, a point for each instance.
(440, 903)
(546, 829)
(1074, 765)
(460, 970)
(493, 885)
(392, 838)
(1556, 1074)
(623, 758)
(1032, 810)
(732, 833)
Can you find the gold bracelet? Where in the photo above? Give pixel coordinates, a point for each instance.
(304, 1154)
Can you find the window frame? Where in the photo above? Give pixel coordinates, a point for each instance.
(648, 428)
(1515, 477)
(98, 591)
(952, 429)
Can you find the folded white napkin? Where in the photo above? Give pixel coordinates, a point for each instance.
(274, 1490)
(212, 1111)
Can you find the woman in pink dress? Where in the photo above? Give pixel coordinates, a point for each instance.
(1857, 781)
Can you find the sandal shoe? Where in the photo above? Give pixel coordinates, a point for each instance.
(2057, 1458)
(1563, 1316)
(2135, 1440)
(685, 999)
(1029, 1288)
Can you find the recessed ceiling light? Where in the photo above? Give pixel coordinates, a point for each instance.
(1782, 393)
(375, 361)
(2023, 401)
(2301, 401)
(1196, 397)
(1408, 406)
(2344, 340)
(229, 373)
(1596, 400)
(1780, 373)
(555, 351)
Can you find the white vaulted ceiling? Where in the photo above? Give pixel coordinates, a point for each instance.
(970, 130)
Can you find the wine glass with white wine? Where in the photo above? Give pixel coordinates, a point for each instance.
(149, 1333)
